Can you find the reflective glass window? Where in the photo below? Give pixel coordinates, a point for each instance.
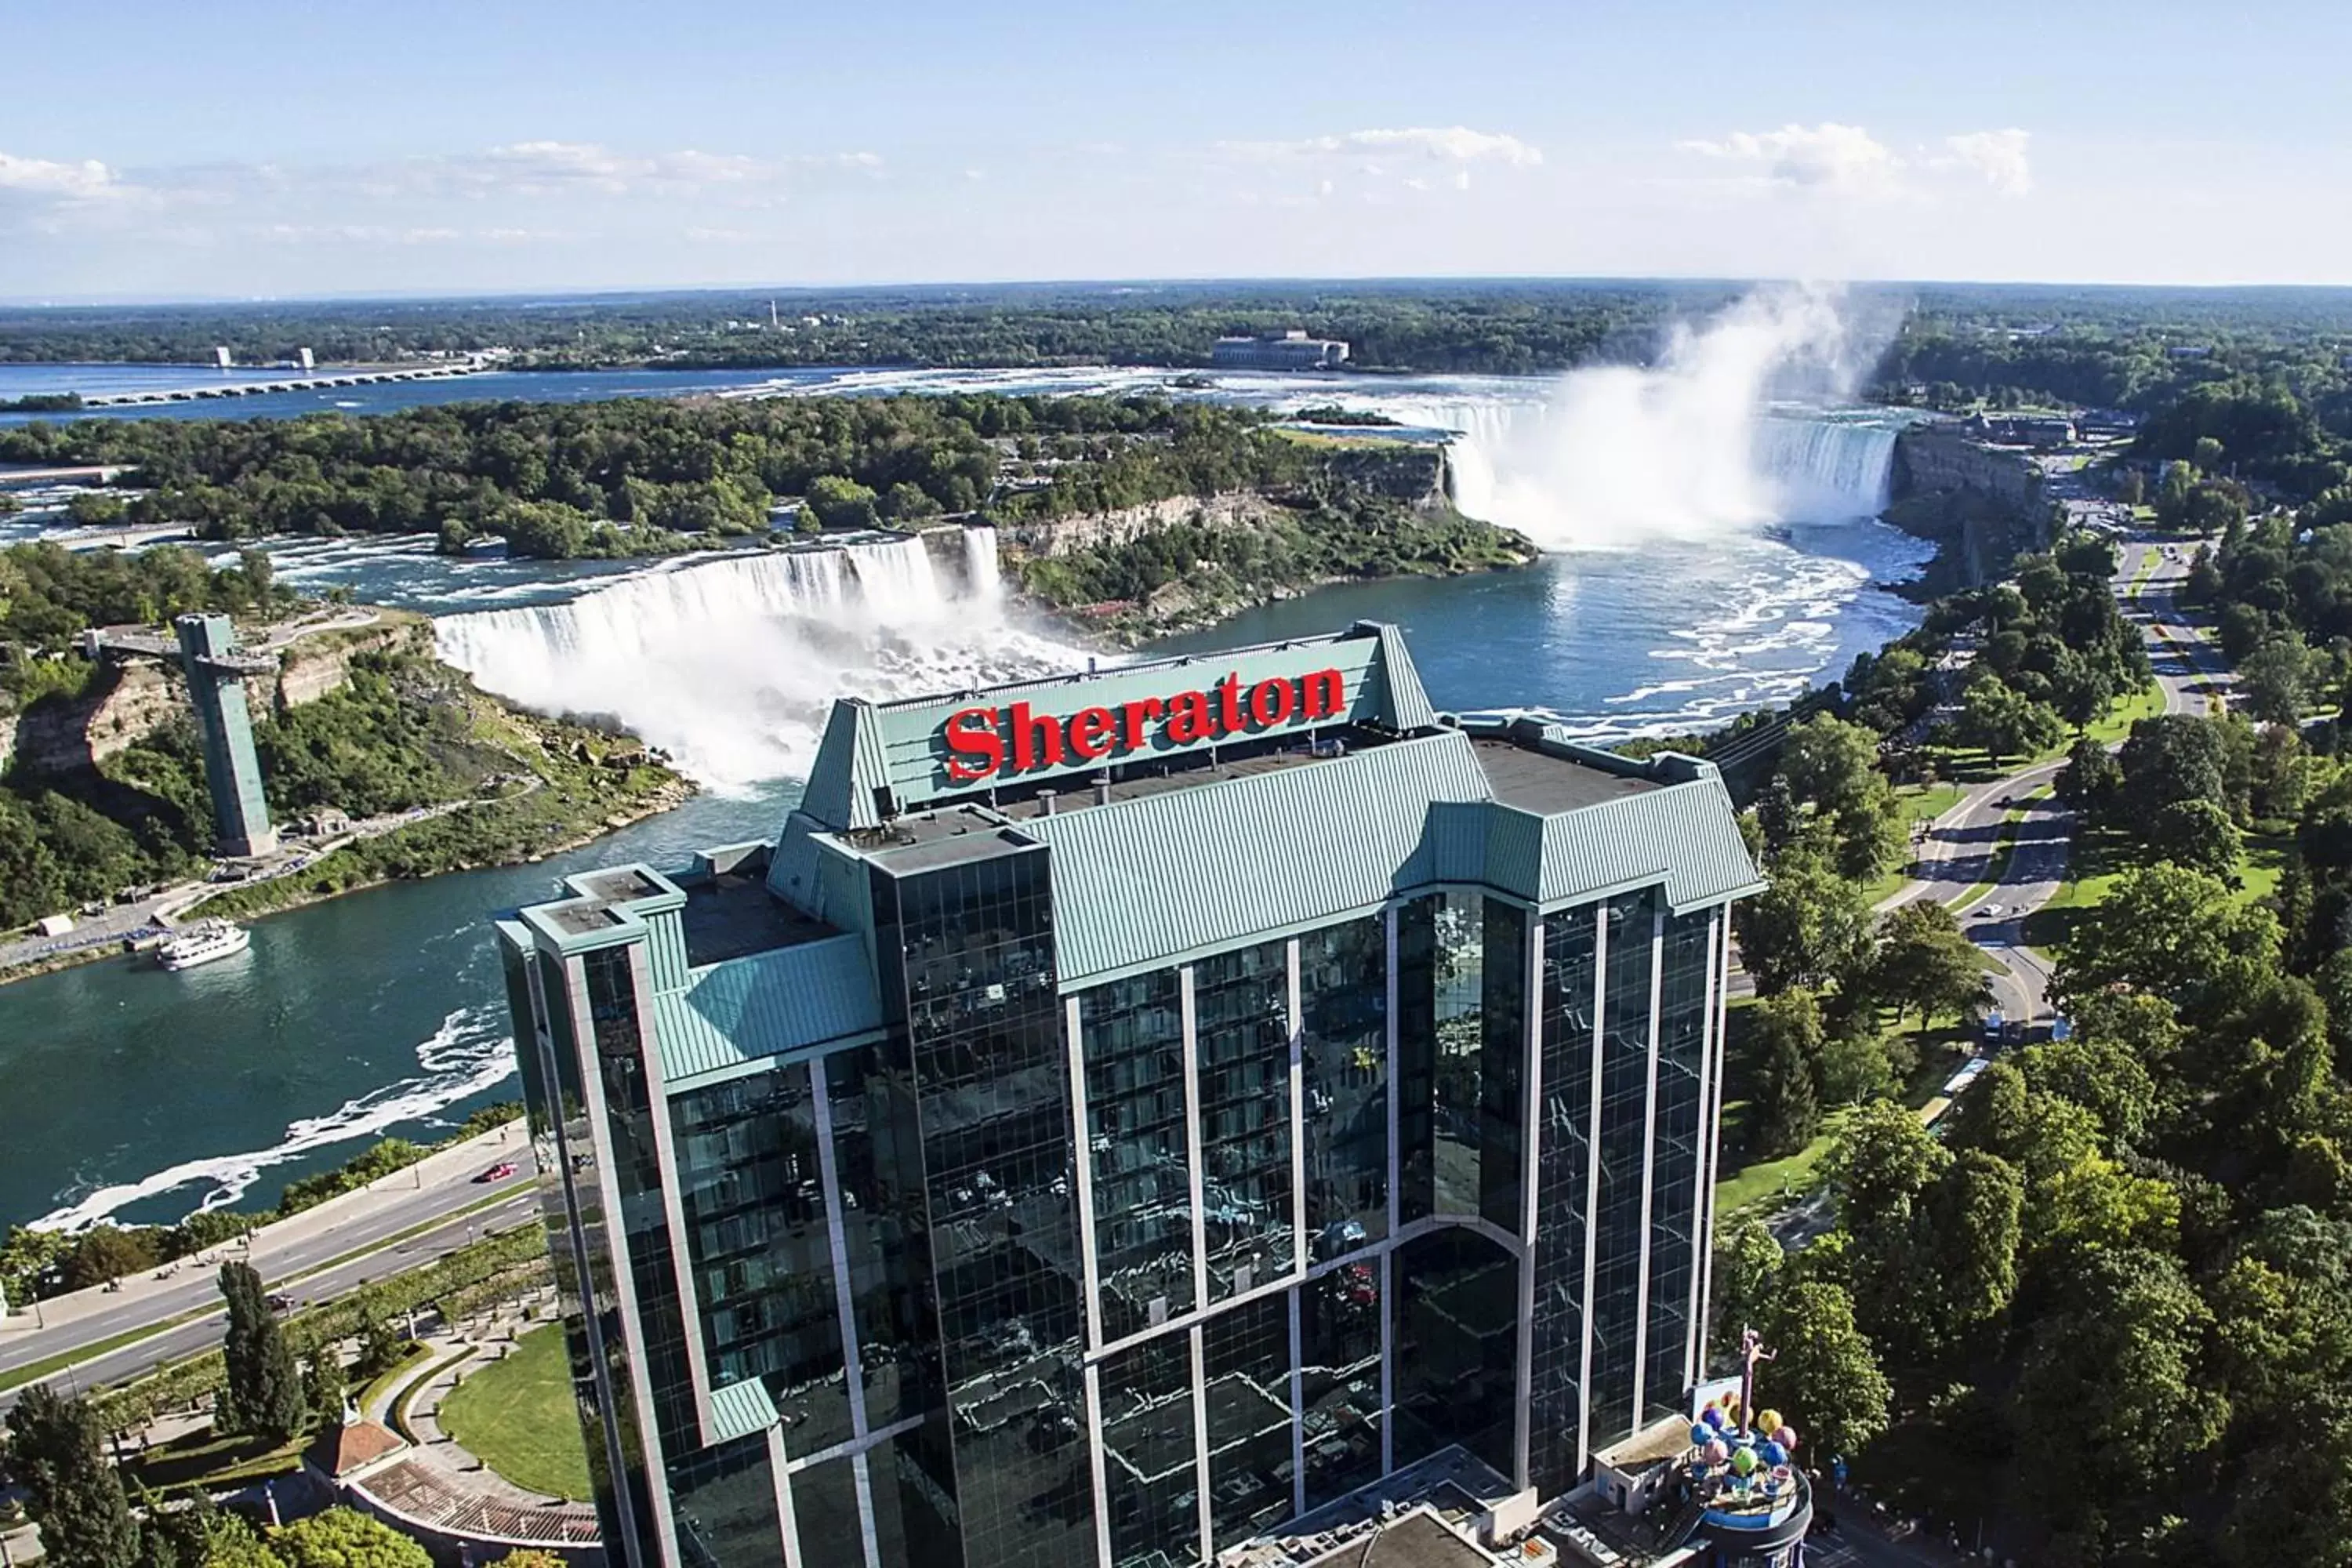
(724, 1501)
(1563, 1179)
(1339, 1379)
(1131, 1041)
(1246, 1385)
(1624, 1118)
(1676, 1234)
(970, 969)
(751, 1191)
(1241, 1006)
(1151, 1486)
(1343, 1005)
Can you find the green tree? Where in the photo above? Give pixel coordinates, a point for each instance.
(1824, 1374)
(2089, 780)
(107, 1253)
(96, 509)
(1832, 767)
(2005, 721)
(263, 1392)
(2198, 835)
(1784, 1107)
(1924, 963)
(57, 1449)
(1747, 1268)
(323, 1387)
(2095, 1070)
(2111, 1398)
(231, 1543)
(840, 502)
(2280, 1511)
(2278, 679)
(343, 1538)
(1809, 927)
(2172, 931)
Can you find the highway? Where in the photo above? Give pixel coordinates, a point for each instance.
(316, 1256)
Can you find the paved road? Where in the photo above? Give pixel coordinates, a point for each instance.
(1962, 845)
(326, 1235)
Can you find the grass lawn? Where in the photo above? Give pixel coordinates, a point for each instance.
(2125, 711)
(2049, 927)
(518, 1417)
(1771, 1179)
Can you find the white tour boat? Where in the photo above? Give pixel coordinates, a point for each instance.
(204, 942)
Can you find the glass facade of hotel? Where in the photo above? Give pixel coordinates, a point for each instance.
(1133, 1275)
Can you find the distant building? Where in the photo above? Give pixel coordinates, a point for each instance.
(216, 674)
(1293, 350)
(222, 357)
(308, 362)
(2025, 430)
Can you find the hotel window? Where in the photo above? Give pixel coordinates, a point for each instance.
(1131, 1043)
(1343, 1009)
(1241, 1008)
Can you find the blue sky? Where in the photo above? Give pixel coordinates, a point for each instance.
(248, 149)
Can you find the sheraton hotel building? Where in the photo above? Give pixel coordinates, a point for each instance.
(1121, 1114)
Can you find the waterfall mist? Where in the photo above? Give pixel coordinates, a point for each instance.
(731, 664)
(1690, 445)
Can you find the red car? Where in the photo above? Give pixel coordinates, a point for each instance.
(497, 1173)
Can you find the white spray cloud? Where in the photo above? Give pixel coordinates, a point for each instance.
(1684, 448)
(732, 664)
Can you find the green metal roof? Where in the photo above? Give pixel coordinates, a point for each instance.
(1140, 881)
(740, 1409)
(1148, 880)
(1684, 837)
(750, 1009)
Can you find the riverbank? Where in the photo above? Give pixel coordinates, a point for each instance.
(504, 786)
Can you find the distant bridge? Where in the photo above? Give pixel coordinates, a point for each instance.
(292, 383)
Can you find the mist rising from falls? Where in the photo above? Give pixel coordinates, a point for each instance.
(1613, 455)
(731, 664)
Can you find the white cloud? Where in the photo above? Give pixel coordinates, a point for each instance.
(1457, 144)
(1846, 160)
(38, 176)
(1842, 158)
(1999, 156)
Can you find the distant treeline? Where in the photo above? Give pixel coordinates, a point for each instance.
(1962, 335)
(646, 478)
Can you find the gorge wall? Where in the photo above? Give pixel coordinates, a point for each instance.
(1981, 505)
(130, 698)
(1415, 474)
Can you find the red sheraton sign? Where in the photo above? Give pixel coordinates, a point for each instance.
(984, 742)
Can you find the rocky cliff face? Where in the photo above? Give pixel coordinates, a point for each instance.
(1061, 535)
(1939, 458)
(129, 700)
(1982, 506)
(1413, 474)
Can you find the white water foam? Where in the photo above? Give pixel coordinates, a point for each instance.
(1689, 447)
(731, 664)
(472, 1051)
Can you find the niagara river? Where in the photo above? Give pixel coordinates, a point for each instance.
(1710, 545)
